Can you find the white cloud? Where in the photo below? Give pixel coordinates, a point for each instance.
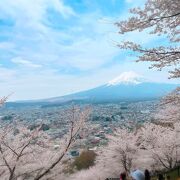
(129, 1)
(6, 45)
(85, 46)
(31, 14)
(6, 74)
(26, 63)
(66, 11)
(89, 47)
(35, 9)
(86, 55)
(135, 2)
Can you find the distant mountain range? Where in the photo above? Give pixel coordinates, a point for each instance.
(127, 87)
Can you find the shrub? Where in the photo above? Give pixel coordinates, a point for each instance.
(85, 160)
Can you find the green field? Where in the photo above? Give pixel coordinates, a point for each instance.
(174, 174)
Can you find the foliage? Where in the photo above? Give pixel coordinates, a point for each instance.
(162, 143)
(162, 18)
(31, 154)
(122, 143)
(85, 160)
(169, 109)
(7, 118)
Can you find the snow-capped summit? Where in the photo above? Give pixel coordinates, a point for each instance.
(129, 86)
(126, 78)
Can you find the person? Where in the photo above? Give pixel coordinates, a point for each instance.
(123, 176)
(160, 177)
(147, 175)
(137, 175)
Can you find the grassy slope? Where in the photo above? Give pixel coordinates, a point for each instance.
(173, 174)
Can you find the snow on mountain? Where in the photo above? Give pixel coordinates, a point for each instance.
(129, 86)
(126, 78)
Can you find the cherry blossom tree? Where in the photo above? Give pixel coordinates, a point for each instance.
(121, 148)
(173, 98)
(169, 108)
(20, 151)
(3, 100)
(26, 154)
(116, 157)
(161, 18)
(77, 122)
(153, 146)
(162, 142)
(123, 143)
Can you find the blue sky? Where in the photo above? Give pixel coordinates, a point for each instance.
(55, 47)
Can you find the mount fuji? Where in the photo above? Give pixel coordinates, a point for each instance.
(129, 86)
